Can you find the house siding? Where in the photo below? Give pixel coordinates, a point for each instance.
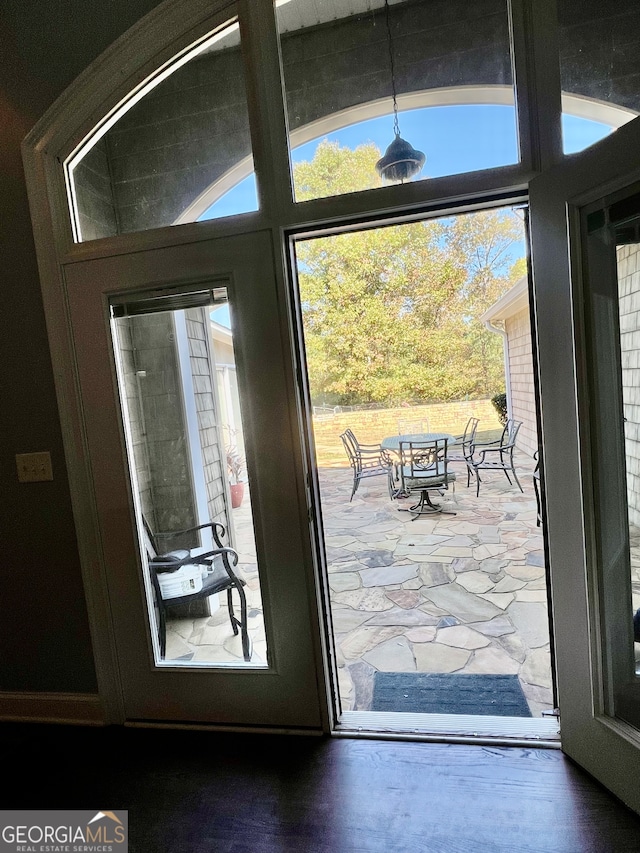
(206, 408)
(628, 258)
(523, 401)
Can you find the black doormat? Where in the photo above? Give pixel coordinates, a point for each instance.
(449, 693)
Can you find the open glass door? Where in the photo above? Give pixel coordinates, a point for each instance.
(182, 376)
(585, 217)
(438, 608)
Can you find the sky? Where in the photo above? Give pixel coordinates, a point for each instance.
(455, 139)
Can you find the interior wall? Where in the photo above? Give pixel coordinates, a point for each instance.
(44, 632)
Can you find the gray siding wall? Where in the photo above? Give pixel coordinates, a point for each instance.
(136, 418)
(437, 43)
(523, 401)
(629, 304)
(154, 395)
(213, 457)
(600, 50)
(94, 194)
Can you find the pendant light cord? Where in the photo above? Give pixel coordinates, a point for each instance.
(396, 126)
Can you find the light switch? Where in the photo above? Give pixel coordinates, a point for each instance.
(34, 467)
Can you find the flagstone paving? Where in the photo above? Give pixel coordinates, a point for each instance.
(445, 593)
(459, 593)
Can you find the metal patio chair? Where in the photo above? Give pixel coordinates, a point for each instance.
(536, 488)
(424, 468)
(216, 575)
(366, 460)
(467, 440)
(498, 457)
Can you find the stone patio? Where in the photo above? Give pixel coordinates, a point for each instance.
(209, 639)
(445, 593)
(459, 593)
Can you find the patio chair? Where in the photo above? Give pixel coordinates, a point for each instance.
(424, 468)
(497, 457)
(467, 440)
(366, 460)
(536, 488)
(206, 573)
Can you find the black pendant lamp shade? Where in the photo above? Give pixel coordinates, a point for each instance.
(401, 160)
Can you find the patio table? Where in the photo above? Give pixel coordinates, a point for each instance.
(392, 442)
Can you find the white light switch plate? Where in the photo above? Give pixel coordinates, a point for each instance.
(34, 467)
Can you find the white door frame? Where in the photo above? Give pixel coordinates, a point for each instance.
(147, 48)
(607, 747)
(134, 62)
(284, 693)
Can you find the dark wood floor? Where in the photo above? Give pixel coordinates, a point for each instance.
(194, 791)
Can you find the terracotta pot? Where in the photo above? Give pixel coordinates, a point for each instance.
(237, 494)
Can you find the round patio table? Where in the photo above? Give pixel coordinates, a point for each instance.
(392, 442)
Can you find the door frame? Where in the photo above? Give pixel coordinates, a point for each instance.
(284, 693)
(93, 100)
(170, 28)
(589, 736)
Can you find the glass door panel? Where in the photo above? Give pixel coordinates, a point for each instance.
(611, 234)
(167, 431)
(437, 592)
(583, 217)
(180, 401)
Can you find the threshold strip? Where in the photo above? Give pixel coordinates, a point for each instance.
(460, 728)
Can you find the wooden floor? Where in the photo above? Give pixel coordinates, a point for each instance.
(193, 791)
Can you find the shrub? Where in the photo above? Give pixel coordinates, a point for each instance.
(500, 405)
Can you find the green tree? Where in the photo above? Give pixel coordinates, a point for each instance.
(391, 314)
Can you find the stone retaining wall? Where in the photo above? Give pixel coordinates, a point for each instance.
(370, 427)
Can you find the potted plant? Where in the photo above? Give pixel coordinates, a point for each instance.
(235, 466)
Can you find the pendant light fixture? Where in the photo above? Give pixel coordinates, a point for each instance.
(401, 160)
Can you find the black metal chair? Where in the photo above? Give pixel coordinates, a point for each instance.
(217, 575)
(467, 442)
(536, 488)
(366, 460)
(424, 468)
(503, 461)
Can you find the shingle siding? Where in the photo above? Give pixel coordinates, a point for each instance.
(523, 401)
(629, 306)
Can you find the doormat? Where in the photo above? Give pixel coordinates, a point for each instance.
(449, 693)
